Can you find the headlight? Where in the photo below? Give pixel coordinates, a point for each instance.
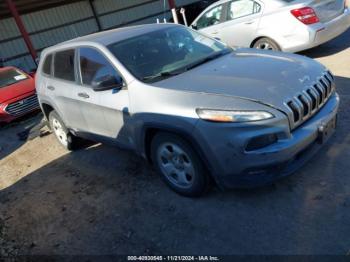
(233, 116)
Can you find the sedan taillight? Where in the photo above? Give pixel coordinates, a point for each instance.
(306, 15)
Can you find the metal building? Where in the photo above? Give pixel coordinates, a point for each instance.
(28, 26)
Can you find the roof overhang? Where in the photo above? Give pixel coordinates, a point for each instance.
(28, 6)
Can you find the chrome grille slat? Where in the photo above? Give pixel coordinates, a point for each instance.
(318, 99)
(28, 109)
(23, 106)
(331, 75)
(306, 103)
(19, 107)
(308, 100)
(328, 85)
(322, 92)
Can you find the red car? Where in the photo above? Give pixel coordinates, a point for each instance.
(17, 94)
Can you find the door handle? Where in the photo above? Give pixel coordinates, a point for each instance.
(83, 95)
(250, 22)
(51, 88)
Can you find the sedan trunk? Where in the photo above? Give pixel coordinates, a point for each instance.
(327, 10)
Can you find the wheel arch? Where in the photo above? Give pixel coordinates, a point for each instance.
(265, 36)
(149, 132)
(47, 109)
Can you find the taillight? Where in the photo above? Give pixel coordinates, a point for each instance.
(306, 15)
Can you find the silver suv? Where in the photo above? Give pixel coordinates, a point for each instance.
(198, 110)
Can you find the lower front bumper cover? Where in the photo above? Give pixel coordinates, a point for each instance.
(283, 158)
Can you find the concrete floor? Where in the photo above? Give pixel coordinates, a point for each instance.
(102, 200)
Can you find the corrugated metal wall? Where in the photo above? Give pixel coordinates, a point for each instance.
(54, 25)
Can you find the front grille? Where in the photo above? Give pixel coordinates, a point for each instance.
(23, 106)
(305, 104)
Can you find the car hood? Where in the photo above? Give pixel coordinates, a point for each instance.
(16, 90)
(267, 77)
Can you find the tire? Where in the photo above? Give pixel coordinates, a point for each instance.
(179, 165)
(61, 132)
(266, 44)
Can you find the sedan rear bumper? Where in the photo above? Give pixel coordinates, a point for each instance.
(232, 166)
(320, 33)
(333, 28)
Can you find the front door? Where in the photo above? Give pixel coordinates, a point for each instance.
(103, 111)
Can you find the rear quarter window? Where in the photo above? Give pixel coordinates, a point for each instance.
(64, 65)
(47, 65)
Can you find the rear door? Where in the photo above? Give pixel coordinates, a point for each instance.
(62, 86)
(210, 21)
(241, 22)
(327, 10)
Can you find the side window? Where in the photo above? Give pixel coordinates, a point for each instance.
(47, 65)
(212, 17)
(94, 66)
(241, 8)
(64, 65)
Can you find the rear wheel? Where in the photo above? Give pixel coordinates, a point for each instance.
(61, 132)
(179, 165)
(266, 44)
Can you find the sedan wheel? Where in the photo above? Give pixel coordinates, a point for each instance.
(266, 44)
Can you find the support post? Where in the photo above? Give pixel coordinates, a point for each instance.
(22, 29)
(94, 12)
(172, 6)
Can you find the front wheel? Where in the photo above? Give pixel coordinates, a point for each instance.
(179, 165)
(266, 44)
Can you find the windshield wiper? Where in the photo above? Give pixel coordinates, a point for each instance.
(186, 68)
(163, 74)
(207, 59)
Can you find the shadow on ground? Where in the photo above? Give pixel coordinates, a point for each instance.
(15, 134)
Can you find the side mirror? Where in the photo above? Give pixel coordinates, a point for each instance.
(195, 27)
(107, 82)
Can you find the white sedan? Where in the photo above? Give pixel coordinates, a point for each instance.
(284, 25)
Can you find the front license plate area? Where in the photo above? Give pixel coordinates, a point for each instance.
(325, 130)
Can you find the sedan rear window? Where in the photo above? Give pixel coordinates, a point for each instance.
(10, 77)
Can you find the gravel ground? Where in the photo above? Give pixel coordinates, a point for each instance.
(102, 200)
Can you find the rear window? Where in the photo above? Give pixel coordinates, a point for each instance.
(11, 76)
(47, 65)
(64, 65)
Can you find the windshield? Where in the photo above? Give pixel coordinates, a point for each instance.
(11, 76)
(160, 54)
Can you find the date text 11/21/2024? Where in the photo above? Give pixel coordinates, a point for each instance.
(173, 258)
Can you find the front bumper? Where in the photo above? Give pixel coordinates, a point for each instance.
(319, 34)
(232, 166)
